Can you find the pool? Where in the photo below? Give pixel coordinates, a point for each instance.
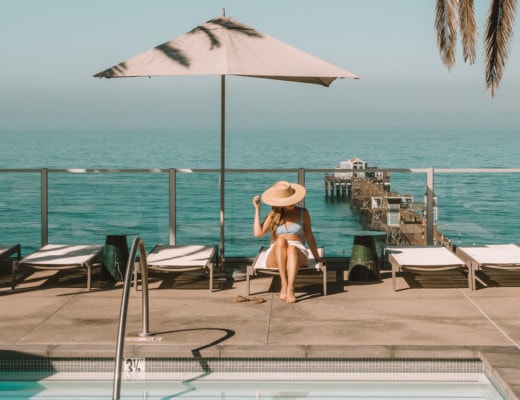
(310, 390)
(249, 379)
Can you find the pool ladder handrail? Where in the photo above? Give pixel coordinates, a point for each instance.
(137, 243)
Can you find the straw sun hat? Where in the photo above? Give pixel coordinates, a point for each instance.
(283, 194)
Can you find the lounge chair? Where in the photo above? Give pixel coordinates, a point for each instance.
(423, 259)
(9, 250)
(60, 257)
(259, 267)
(182, 258)
(492, 256)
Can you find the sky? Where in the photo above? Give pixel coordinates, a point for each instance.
(50, 50)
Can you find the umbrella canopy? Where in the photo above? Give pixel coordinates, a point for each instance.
(224, 46)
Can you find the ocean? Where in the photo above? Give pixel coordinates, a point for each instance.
(84, 207)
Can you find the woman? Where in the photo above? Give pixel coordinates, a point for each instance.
(290, 227)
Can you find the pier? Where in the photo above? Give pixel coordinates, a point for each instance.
(367, 191)
(396, 214)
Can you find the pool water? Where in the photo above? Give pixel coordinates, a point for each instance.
(155, 390)
(247, 378)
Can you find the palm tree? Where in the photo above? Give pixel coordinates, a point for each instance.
(459, 15)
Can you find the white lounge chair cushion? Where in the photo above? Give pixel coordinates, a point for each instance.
(62, 255)
(497, 254)
(424, 256)
(181, 255)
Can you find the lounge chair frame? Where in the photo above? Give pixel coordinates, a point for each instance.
(504, 257)
(258, 267)
(182, 258)
(7, 251)
(60, 257)
(433, 259)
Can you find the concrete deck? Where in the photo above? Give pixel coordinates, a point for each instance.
(52, 314)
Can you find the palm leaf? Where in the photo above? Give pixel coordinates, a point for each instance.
(499, 34)
(468, 30)
(446, 27)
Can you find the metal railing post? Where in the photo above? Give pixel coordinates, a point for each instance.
(44, 206)
(301, 181)
(429, 207)
(173, 205)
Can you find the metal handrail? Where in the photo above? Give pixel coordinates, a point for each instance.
(137, 243)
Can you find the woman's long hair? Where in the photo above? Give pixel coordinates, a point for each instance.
(276, 218)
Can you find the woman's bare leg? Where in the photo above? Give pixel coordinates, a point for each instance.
(292, 271)
(287, 259)
(279, 257)
(295, 259)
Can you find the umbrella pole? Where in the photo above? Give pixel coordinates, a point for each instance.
(222, 162)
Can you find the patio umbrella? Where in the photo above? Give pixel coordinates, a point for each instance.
(224, 46)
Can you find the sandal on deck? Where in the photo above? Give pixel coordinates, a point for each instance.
(254, 300)
(240, 299)
(257, 300)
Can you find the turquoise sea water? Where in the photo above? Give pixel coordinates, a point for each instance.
(473, 208)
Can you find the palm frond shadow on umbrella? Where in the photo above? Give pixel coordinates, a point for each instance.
(224, 46)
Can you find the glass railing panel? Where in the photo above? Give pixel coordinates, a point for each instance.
(473, 207)
(331, 217)
(20, 203)
(198, 208)
(478, 208)
(85, 207)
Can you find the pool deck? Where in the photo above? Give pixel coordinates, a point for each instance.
(52, 314)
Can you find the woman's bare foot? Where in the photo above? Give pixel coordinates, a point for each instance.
(283, 293)
(289, 298)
